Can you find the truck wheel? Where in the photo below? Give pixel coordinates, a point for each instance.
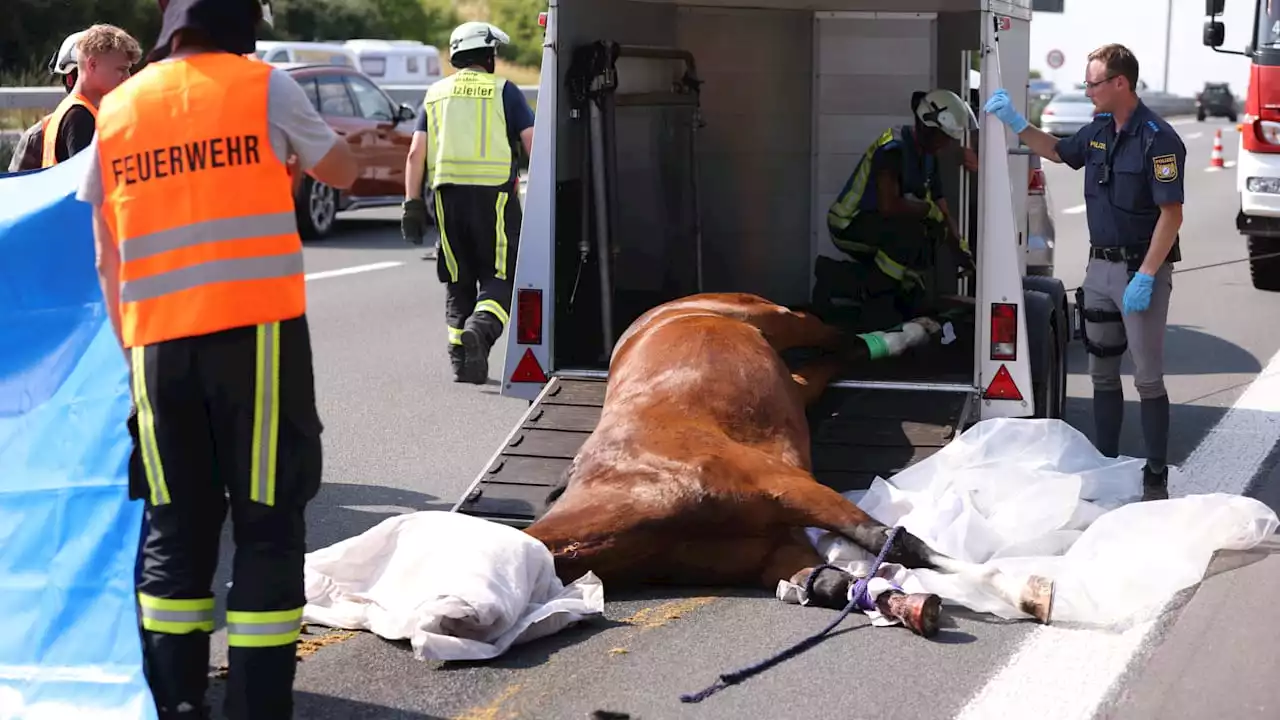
(1265, 270)
(316, 208)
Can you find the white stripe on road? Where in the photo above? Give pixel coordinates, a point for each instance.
(1225, 164)
(352, 270)
(1074, 210)
(1192, 136)
(1066, 674)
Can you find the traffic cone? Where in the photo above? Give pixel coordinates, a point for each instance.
(1215, 160)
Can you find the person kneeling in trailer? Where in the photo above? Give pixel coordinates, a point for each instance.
(465, 142)
(891, 214)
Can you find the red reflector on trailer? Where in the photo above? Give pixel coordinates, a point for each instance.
(542, 19)
(528, 370)
(1002, 387)
(528, 316)
(1004, 331)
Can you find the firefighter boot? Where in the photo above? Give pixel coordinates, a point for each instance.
(458, 361)
(478, 335)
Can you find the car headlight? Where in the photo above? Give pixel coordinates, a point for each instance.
(1268, 185)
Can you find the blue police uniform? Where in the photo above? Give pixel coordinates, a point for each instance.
(1128, 175)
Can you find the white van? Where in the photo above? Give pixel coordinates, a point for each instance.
(397, 62)
(278, 52)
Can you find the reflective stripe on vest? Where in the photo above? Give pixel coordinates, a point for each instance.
(467, 130)
(198, 202)
(845, 208)
(49, 157)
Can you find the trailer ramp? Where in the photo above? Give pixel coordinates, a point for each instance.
(857, 433)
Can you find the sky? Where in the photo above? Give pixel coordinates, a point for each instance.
(1140, 25)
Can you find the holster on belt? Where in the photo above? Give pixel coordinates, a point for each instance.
(1094, 315)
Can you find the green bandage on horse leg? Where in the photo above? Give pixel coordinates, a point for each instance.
(876, 345)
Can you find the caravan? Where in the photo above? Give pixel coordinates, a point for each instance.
(397, 62)
(311, 53)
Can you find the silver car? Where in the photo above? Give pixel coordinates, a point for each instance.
(1040, 228)
(1066, 113)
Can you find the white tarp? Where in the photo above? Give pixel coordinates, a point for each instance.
(456, 586)
(1035, 497)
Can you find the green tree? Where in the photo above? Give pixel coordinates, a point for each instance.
(519, 19)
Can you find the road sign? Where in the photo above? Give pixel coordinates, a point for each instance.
(1055, 59)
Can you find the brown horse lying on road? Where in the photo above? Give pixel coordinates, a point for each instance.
(699, 470)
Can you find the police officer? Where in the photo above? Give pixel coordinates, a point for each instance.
(891, 214)
(465, 141)
(1133, 192)
(201, 266)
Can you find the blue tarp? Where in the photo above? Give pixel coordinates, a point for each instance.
(68, 531)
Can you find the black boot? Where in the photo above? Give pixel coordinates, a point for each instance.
(1155, 484)
(1108, 417)
(478, 335)
(458, 361)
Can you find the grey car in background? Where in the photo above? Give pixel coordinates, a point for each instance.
(1066, 113)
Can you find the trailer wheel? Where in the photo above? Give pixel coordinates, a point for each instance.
(1046, 342)
(1265, 271)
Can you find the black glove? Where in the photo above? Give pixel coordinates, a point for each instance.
(413, 224)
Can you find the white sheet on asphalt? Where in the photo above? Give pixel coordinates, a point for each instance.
(456, 586)
(1035, 497)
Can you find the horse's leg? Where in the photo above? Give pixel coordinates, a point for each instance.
(813, 377)
(806, 503)
(795, 559)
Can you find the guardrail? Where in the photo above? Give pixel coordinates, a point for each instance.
(47, 98)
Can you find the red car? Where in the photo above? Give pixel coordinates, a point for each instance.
(379, 130)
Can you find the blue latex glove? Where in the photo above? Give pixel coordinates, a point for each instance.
(1002, 107)
(1137, 296)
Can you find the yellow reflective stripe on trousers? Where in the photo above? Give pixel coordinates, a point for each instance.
(263, 629)
(266, 415)
(147, 444)
(450, 262)
(213, 271)
(896, 270)
(493, 308)
(176, 616)
(209, 231)
(500, 232)
(455, 336)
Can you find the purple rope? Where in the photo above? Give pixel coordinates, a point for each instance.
(859, 598)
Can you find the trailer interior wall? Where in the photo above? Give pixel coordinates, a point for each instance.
(792, 96)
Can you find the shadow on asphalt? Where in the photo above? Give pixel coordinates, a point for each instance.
(349, 509)
(311, 705)
(368, 234)
(1188, 425)
(1187, 351)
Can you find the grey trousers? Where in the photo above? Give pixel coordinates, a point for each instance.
(1104, 285)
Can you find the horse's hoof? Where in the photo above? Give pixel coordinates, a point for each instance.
(919, 612)
(1037, 598)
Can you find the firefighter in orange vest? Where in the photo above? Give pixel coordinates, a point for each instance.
(102, 57)
(201, 267)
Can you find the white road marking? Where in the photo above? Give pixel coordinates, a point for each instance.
(1066, 674)
(1225, 165)
(1192, 136)
(321, 275)
(1074, 210)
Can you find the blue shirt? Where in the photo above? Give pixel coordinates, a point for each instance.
(515, 108)
(916, 171)
(1147, 160)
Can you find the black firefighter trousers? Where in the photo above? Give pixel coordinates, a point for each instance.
(229, 415)
(479, 238)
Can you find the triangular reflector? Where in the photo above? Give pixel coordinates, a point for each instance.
(528, 369)
(1002, 387)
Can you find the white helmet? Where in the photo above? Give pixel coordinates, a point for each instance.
(64, 61)
(945, 110)
(475, 35)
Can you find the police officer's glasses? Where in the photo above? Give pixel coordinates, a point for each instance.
(1107, 79)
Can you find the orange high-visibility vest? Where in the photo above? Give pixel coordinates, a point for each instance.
(198, 203)
(54, 121)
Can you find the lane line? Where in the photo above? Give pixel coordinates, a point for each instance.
(1066, 674)
(321, 275)
(1074, 210)
(1193, 136)
(1226, 164)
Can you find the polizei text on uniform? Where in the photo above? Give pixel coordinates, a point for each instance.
(162, 162)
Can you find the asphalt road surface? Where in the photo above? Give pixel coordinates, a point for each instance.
(400, 437)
